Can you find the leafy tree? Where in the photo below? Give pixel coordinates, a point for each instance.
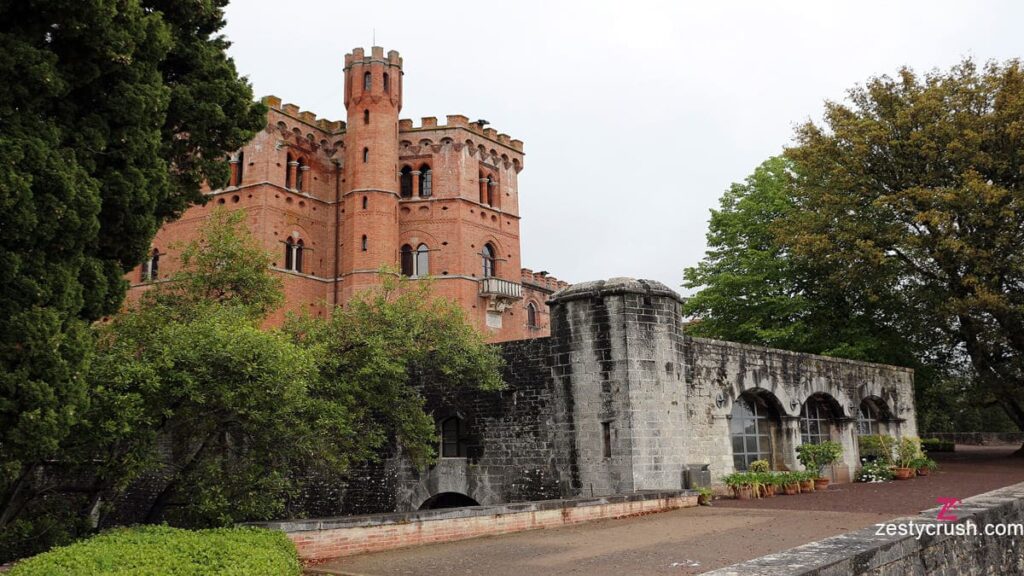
(753, 289)
(912, 195)
(379, 353)
(113, 112)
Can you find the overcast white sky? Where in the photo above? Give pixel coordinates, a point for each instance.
(636, 115)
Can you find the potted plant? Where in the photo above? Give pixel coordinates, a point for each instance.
(876, 471)
(790, 483)
(815, 457)
(924, 465)
(806, 481)
(704, 496)
(766, 482)
(907, 451)
(741, 484)
(778, 482)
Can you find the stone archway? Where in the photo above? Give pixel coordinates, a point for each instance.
(448, 500)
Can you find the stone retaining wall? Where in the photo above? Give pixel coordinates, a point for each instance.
(980, 438)
(866, 552)
(323, 539)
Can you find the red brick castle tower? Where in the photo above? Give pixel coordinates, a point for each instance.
(335, 201)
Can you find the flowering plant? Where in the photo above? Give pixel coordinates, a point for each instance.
(874, 472)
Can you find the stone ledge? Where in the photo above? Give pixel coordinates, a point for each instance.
(865, 552)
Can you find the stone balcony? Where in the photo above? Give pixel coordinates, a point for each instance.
(500, 293)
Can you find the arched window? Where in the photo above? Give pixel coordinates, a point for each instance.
(366, 155)
(365, 202)
(289, 253)
(453, 440)
(365, 243)
(750, 429)
(489, 268)
(300, 247)
(387, 83)
(405, 182)
(366, 116)
(815, 421)
(367, 82)
(868, 417)
(300, 169)
(151, 267)
(426, 182)
(408, 261)
(288, 171)
(483, 189)
(422, 260)
(531, 315)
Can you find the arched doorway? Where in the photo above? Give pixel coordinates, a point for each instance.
(448, 500)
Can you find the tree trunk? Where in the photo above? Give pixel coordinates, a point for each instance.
(19, 496)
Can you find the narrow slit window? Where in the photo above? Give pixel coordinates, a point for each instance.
(366, 116)
(367, 82)
(364, 243)
(387, 82)
(366, 155)
(606, 436)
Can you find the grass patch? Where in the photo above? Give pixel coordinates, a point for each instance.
(161, 550)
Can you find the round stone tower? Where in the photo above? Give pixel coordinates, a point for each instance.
(373, 98)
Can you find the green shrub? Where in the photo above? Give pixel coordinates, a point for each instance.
(876, 471)
(760, 466)
(907, 450)
(815, 457)
(936, 445)
(165, 551)
(876, 447)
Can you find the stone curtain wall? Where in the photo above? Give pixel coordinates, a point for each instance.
(724, 370)
(516, 438)
(319, 540)
(865, 553)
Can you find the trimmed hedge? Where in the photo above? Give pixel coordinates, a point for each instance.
(936, 445)
(165, 551)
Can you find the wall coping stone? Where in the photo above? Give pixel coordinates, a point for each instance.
(369, 520)
(863, 551)
(613, 286)
(779, 351)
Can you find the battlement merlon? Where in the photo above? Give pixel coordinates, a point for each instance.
(329, 127)
(458, 121)
(358, 56)
(542, 281)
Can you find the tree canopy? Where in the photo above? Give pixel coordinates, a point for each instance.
(112, 114)
(890, 232)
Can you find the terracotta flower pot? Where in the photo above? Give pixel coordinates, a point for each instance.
(768, 491)
(742, 492)
(807, 485)
(923, 471)
(820, 483)
(903, 473)
(791, 489)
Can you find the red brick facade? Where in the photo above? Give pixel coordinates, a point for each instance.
(334, 201)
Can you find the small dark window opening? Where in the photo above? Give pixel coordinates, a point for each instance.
(367, 82)
(289, 254)
(491, 191)
(240, 172)
(453, 441)
(366, 155)
(606, 435)
(364, 243)
(405, 182)
(365, 201)
(300, 247)
(531, 315)
(387, 82)
(426, 182)
(288, 172)
(407, 261)
(366, 116)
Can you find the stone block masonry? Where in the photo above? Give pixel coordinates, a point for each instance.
(865, 552)
(324, 539)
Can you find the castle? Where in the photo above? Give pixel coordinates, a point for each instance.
(605, 393)
(335, 201)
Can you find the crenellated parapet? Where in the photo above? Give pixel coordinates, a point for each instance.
(486, 144)
(542, 281)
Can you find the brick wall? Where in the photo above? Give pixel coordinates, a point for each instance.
(318, 540)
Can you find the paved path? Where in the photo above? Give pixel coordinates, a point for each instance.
(693, 540)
